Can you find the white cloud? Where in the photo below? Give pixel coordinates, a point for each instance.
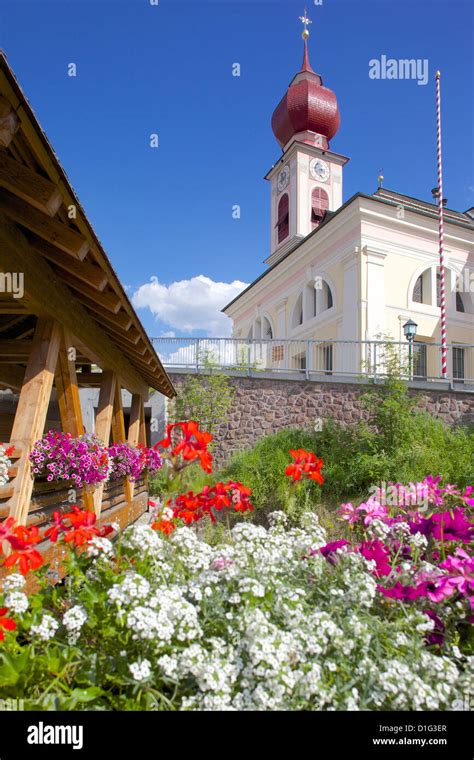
(189, 305)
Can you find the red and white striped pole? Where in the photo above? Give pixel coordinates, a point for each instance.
(444, 350)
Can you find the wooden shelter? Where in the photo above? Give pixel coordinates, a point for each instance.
(65, 322)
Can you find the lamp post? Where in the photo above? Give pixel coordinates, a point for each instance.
(409, 328)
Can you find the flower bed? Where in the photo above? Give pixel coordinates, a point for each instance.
(258, 619)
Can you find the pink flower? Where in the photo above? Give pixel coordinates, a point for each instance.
(348, 512)
(373, 509)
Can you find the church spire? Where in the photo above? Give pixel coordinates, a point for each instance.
(305, 34)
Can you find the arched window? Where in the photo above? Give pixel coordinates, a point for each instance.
(323, 299)
(283, 221)
(427, 290)
(459, 302)
(418, 290)
(298, 312)
(319, 206)
(267, 332)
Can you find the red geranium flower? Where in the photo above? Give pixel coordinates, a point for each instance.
(192, 443)
(306, 463)
(240, 497)
(27, 559)
(5, 622)
(164, 526)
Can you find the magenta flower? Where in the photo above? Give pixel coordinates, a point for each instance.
(452, 526)
(460, 567)
(399, 591)
(378, 553)
(466, 497)
(434, 589)
(328, 551)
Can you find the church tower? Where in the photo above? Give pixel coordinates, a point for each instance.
(307, 180)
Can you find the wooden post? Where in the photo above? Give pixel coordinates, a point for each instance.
(142, 434)
(68, 397)
(134, 427)
(32, 410)
(103, 424)
(67, 388)
(118, 433)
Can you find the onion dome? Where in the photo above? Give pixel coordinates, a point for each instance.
(307, 109)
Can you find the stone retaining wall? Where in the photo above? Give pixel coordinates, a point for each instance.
(262, 406)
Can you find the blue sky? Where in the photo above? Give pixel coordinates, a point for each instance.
(167, 69)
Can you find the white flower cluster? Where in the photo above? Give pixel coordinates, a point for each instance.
(13, 582)
(140, 670)
(5, 464)
(99, 546)
(74, 619)
(265, 622)
(46, 628)
(16, 601)
(133, 587)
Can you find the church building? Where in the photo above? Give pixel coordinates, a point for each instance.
(341, 273)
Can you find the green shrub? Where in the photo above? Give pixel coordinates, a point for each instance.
(355, 458)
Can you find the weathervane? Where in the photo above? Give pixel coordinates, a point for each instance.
(305, 20)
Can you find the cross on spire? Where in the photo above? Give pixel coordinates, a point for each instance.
(306, 21)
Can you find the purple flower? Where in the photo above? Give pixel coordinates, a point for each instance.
(436, 636)
(329, 550)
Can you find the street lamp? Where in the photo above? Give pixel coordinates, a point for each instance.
(409, 328)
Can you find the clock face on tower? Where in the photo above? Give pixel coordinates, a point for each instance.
(319, 169)
(283, 178)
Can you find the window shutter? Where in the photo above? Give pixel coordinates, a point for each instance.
(283, 223)
(319, 205)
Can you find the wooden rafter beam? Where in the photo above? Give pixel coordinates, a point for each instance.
(11, 377)
(90, 274)
(51, 230)
(121, 320)
(12, 306)
(131, 336)
(18, 349)
(29, 185)
(9, 122)
(108, 299)
(46, 294)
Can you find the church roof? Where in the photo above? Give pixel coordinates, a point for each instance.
(382, 195)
